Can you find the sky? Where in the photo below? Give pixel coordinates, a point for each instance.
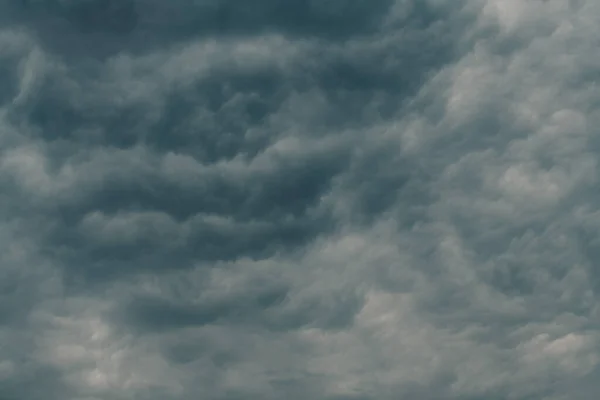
(299, 199)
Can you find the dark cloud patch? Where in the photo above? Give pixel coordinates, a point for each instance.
(149, 222)
(86, 15)
(187, 352)
(97, 263)
(100, 28)
(113, 16)
(222, 135)
(209, 119)
(46, 378)
(298, 17)
(15, 298)
(155, 314)
(223, 117)
(8, 86)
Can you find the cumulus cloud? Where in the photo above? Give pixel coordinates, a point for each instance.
(223, 199)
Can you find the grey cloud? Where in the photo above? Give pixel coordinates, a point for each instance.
(329, 200)
(69, 27)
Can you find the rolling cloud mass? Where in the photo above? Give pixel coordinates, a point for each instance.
(299, 199)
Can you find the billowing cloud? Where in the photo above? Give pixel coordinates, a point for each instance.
(223, 199)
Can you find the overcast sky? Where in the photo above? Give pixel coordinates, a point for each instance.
(299, 199)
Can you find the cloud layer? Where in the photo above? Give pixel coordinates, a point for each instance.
(346, 199)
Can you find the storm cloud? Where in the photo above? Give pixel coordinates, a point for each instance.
(345, 199)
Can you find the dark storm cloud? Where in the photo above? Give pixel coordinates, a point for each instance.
(103, 27)
(301, 199)
(264, 305)
(153, 222)
(227, 113)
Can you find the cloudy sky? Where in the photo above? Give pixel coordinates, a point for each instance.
(299, 199)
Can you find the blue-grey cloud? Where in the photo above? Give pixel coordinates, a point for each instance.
(303, 199)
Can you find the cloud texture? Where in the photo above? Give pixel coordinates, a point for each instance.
(343, 199)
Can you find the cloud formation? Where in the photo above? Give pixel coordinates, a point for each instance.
(221, 199)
